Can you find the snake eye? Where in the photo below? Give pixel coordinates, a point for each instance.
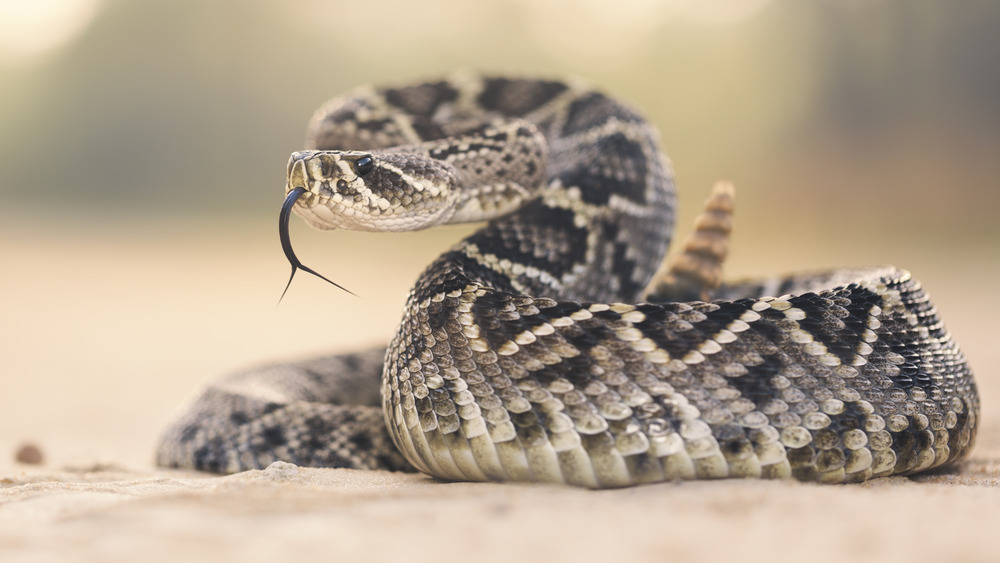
(364, 165)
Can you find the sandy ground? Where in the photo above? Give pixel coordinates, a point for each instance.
(106, 328)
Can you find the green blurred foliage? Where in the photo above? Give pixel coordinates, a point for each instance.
(880, 111)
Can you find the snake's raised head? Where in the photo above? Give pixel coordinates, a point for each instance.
(364, 191)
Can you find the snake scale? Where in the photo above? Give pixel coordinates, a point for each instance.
(546, 346)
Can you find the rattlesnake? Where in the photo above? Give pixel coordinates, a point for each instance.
(521, 355)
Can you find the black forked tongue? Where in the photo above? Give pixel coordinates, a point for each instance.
(286, 243)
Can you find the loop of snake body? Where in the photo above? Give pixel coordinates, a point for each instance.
(545, 346)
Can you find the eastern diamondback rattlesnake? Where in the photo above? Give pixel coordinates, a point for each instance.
(520, 355)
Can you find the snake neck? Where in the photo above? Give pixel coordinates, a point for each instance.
(596, 233)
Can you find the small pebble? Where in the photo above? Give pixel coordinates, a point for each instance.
(30, 454)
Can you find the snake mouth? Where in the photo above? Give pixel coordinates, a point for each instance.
(286, 243)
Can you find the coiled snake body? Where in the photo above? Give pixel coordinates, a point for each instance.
(521, 354)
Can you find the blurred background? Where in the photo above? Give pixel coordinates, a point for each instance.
(143, 148)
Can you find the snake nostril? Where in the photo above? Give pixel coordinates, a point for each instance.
(341, 186)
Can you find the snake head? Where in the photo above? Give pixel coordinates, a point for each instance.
(371, 191)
